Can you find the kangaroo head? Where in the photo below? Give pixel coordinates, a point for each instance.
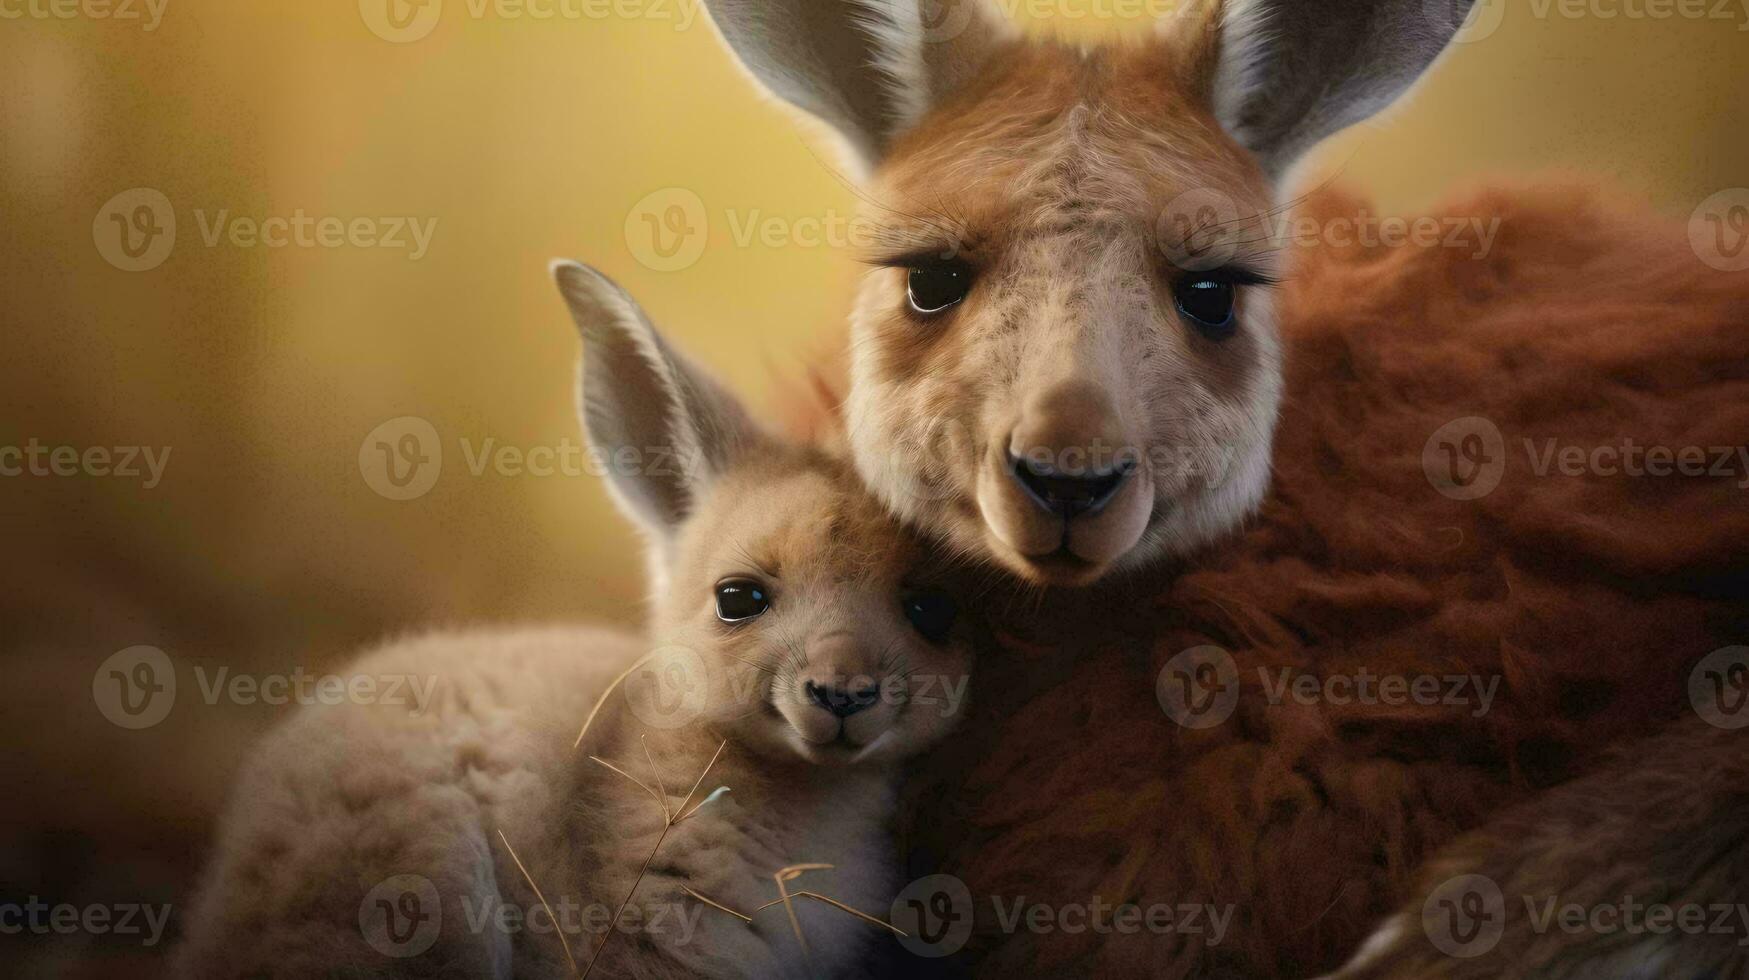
(1065, 356)
(793, 614)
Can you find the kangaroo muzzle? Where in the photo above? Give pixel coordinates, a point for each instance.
(1067, 488)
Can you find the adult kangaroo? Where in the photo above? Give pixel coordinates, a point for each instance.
(1070, 360)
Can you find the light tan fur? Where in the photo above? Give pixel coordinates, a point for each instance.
(481, 794)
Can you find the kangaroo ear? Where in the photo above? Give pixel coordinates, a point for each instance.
(1284, 74)
(870, 69)
(662, 429)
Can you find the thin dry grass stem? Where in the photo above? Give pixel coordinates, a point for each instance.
(717, 905)
(599, 702)
(782, 877)
(566, 943)
(700, 804)
(707, 771)
(668, 822)
(816, 896)
(657, 774)
(641, 784)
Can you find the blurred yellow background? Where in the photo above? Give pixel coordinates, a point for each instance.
(263, 369)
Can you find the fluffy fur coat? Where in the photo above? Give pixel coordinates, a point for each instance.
(1587, 598)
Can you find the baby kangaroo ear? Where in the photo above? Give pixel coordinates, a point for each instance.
(1284, 74)
(870, 69)
(661, 428)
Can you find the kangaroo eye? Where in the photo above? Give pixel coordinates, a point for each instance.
(1206, 299)
(739, 600)
(933, 288)
(932, 614)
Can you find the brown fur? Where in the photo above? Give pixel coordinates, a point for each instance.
(1674, 833)
(1592, 597)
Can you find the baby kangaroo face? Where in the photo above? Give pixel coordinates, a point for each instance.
(792, 614)
(834, 641)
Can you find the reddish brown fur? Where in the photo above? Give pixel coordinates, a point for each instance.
(1592, 597)
(1667, 824)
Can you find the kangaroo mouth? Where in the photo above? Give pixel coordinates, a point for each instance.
(841, 750)
(1063, 528)
(1062, 566)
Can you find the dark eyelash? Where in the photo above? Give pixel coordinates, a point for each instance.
(923, 259)
(1238, 275)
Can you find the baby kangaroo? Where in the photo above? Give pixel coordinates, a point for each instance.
(799, 649)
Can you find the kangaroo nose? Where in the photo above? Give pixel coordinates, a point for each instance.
(1069, 453)
(843, 700)
(1070, 496)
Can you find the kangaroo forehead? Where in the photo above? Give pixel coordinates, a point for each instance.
(793, 519)
(1050, 134)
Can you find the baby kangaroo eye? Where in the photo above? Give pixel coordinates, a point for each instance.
(740, 599)
(935, 287)
(932, 614)
(1207, 300)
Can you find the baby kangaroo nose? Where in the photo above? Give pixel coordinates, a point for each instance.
(843, 700)
(1069, 453)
